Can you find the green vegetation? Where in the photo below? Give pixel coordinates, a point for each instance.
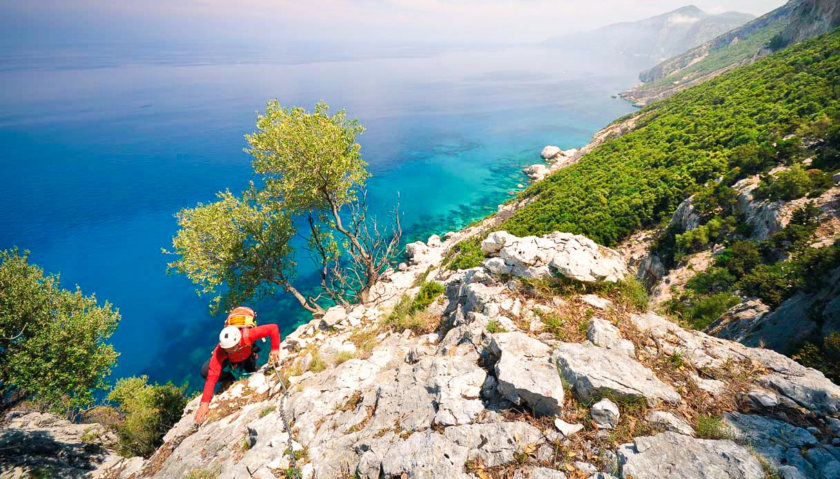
(467, 254)
(824, 356)
(712, 427)
(726, 127)
(410, 313)
(308, 167)
(53, 342)
(794, 183)
(493, 326)
(150, 410)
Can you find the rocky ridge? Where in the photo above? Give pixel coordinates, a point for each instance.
(513, 381)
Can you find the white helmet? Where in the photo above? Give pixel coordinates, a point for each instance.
(230, 337)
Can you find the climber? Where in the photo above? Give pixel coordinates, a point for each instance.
(236, 349)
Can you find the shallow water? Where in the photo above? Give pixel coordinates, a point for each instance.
(99, 153)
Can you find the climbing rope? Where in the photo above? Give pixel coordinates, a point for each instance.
(282, 412)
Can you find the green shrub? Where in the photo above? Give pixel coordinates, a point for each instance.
(771, 283)
(709, 308)
(410, 313)
(429, 291)
(713, 280)
(56, 348)
(150, 411)
(824, 357)
(493, 326)
(679, 144)
(793, 183)
(739, 259)
(467, 254)
(712, 427)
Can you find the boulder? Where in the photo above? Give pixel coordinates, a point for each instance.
(526, 374)
(686, 216)
(669, 422)
(605, 414)
(778, 442)
(425, 454)
(538, 473)
(603, 333)
(550, 152)
(494, 443)
(596, 301)
(536, 172)
(574, 256)
(334, 315)
(592, 369)
(567, 429)
(670, 456)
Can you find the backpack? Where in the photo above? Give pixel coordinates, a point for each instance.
(242, 317)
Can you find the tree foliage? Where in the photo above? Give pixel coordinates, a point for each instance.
(309, 170)
(728, 127)
(53, 342)
(150, 410)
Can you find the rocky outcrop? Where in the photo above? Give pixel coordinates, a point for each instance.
(573, 256)
(471, 398)
(35, 444)
(672, 455)
(593, 370)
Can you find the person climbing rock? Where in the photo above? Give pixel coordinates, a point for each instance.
(236, 350)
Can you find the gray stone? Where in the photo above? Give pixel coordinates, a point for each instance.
(525, 373)
(779, 443)
(550, 152)
(425, 454)
(603, 333)
(670, 422)
(538, 473)
(586, 467)
(763, 398)
(334, 315)
(596, 301)
(670, 456)
(592, 369)
(494, 443)
(566, 428)
(605, 414)
(536, 172)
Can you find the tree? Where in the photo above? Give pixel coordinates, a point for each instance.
(310, 170)
(53, 342)
(150, 410)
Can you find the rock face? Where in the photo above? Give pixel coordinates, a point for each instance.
(469, 399)
(573, 256)
(592, 370)
(550, 152)
(33, 443)
(672, 455)
(525, 373)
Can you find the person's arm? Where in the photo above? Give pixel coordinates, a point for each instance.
(267, 330)
(213, 372)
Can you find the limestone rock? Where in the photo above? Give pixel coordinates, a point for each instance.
(670, 422)
(779, 443)
(538, 473)
(495, 443)
(425, 454)
(592, 369)
(536, 172)
(567, 429)
(603, 333)
(574, 256)
(550, 152)
(597, 301)
(670, 456)
(605, 414)
(334, 315)
(526, 374)
(685, 216)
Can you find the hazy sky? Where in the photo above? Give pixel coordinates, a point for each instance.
(254, 21)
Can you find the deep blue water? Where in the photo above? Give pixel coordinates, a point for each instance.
(98, 154)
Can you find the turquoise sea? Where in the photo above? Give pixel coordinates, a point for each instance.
(99, 148)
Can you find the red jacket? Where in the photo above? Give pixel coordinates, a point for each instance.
(249, 337)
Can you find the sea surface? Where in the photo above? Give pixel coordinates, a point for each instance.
(99, 148)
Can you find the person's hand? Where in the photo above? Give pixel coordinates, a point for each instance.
(201, 414)
(274, 357)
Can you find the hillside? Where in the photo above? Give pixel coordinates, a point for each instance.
(519, 348)
(791, 23)
(654, 39)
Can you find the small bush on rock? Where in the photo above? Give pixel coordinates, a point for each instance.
(150, 410)
(468, 255)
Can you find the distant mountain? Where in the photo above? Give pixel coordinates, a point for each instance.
(655, 38)
(791, 23)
